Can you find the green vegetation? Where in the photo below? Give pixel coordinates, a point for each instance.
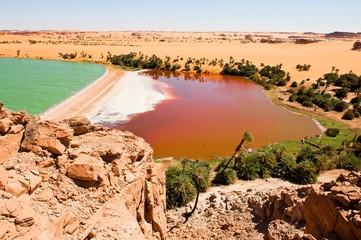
(267, 77)
(134, 61)
(185, 181)
(301, 167)
(68, 55)
(304, 67)
(226, 177)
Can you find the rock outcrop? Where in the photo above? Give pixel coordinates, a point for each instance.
(321, 211)
(75, 180)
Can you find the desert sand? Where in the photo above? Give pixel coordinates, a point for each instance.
(95, 46)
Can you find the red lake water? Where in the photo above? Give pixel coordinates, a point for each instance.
(209, 114)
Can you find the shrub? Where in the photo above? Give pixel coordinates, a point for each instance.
(349, 162)
(341, 93)
(179, 188)
(332, 132)
(294, 84)
(292, 98)
(323, 163)
(284, 168)
(228, 176)
(307, 104)
(305, 173)
(248, 169)
(355, 100)
(340, 106)
(200, 173)
(185, 181)
(266, 163)
(348, 115)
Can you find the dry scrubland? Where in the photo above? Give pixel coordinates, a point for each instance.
(322, 53)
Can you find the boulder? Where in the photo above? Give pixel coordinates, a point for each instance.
(5, 125)
(345, 228)
(31, 135)
(80, 125)
(320, 214)
(14, 187)
(53, 145)
(25, 218)
(4, 175)
(16, 129)
(9, 145)
(7, 230)
(71, 223)
(85, 168)
(11, 208)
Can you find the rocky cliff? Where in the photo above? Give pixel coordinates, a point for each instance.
(321, 211)
(74, 180)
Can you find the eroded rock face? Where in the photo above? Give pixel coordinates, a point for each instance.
(74, 180)
(320, 211)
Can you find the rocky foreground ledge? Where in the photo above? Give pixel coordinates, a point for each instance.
(320, 211)
(74, 180)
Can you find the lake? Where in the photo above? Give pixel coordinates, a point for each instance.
(36, 85)
(208, 115)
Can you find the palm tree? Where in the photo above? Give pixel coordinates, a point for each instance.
(357, 92)
(200, 174)
(247, 137)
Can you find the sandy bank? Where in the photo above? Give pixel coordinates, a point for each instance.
(87, 99)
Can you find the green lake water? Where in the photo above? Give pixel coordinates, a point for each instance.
(36, 85)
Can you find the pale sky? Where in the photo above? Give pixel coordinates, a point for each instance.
(183, 15)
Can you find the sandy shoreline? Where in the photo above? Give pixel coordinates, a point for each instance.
(86, 100)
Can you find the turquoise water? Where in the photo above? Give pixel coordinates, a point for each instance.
(36, 85)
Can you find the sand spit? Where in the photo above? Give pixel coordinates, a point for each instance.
(132, 94)
(85, 100)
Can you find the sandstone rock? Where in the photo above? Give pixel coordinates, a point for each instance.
(80, 125)
(88, 158)
(320, 215)
(16, 129)
(129, 177)
(71, 223)
(34, 181)
(9, 145)
(11, 208)
(343, 199)
(14, 187)
(53, 145)
(357, 220)
(7, 230)
(85, 168)
(4, 175)
(103, 178)
(61, 160)
(45, 195)
(345, 190)
(25, 218)
(345, 228)
(5, 124)
(47, 163)
(31, 135)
